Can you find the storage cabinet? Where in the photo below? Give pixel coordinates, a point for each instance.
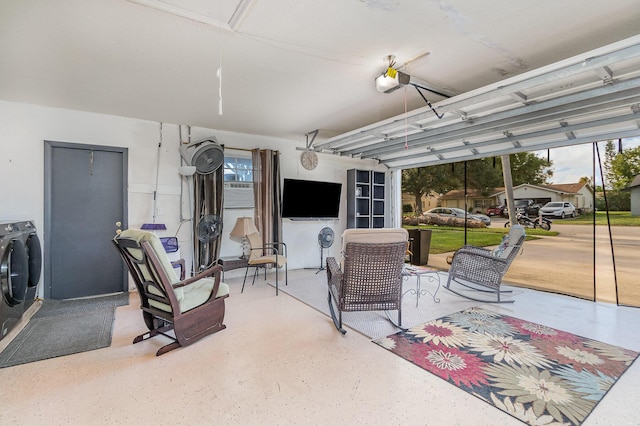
(366, 191)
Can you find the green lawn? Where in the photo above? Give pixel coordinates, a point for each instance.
(616, 219)
(445, 239)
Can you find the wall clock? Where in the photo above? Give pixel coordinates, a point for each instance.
(309, 160)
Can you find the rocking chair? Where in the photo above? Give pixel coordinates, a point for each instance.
(482, 270)
(371, 276)
(192, 308)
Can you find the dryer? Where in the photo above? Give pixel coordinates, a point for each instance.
(14, 275)
(34, 257)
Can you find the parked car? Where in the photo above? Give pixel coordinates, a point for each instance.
(454, 212)
(525, 207)
(559, 209)
(495, 211)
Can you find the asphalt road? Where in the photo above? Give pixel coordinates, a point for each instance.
(566, 263)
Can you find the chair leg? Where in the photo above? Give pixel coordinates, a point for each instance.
(255, 274)
(276, 266)
(152, 333)
(336, 321)
(245, 279)
(497, 292)
(167, 348)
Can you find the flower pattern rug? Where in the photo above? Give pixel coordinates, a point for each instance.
(535, 373)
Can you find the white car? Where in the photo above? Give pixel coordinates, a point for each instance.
(452, 211)
(559, 209)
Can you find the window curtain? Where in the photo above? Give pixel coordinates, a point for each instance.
(267, 194)
(209, 200)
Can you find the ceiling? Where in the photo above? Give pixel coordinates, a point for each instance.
(290, 67)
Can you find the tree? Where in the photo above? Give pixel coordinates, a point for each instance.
(526, 167)
(428, 180)
(486, 174)
(483, 176)
(607, 168)
(624, 167)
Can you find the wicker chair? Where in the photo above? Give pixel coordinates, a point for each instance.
(481, 270)
(192, 308)
(371, 277)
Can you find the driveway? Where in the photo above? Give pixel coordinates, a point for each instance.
(565, 263)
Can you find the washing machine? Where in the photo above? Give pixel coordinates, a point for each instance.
(14, 275)
(34, 258)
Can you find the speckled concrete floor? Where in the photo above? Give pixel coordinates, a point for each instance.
(281, 362)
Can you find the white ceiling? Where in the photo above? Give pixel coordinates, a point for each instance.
(288, 66)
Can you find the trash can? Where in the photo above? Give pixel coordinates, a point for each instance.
(420, 244)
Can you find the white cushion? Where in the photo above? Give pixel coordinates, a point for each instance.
(506, 246)
(192, 295)
(138, 236)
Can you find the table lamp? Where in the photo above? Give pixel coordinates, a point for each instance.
(243, 227)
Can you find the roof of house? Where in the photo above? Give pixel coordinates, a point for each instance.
(568, 188)
(635, 182)
(459, 193)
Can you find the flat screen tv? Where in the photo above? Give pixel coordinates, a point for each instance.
(308, 199)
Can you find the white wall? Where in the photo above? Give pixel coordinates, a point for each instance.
(24, 128)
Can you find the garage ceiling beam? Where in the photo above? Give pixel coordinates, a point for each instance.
(582, 99)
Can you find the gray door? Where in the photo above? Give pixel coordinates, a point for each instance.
(85, 200)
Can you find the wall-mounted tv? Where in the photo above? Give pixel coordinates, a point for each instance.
(308, 199)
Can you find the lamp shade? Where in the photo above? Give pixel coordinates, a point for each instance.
(244, 226)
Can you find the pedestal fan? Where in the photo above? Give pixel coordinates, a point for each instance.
(325, 239)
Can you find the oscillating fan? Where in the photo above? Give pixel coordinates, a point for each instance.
(325, 239)
(209, 228)
(207, 155)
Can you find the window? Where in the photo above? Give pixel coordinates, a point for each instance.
(238, 181)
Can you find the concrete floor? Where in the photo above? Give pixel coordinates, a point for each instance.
(281, 362)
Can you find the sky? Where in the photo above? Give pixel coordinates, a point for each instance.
(573, 162)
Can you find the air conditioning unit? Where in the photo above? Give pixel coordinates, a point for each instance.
(238, 195)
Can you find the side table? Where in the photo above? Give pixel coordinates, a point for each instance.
(418, 272)
(230, 263)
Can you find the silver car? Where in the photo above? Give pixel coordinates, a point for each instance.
(455, 212)
(559, 209)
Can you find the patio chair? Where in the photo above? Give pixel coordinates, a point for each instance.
(193, 308)
(481, 270)
(264, 255)
(370, 278)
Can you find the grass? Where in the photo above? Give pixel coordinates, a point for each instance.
(616, 219)
(445, 239)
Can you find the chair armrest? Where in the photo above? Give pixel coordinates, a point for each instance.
(480, 250)
(333, 266)
(470, 262)
(477, 254)
(180, 263)
(273, 246)
(214, 270)
(334, 274)
(266, 250)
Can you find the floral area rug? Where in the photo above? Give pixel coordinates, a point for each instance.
(535, 373)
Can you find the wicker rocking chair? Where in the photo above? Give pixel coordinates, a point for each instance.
(371, 277)
(481, 270)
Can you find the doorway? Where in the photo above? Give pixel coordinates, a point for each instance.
(85, 203)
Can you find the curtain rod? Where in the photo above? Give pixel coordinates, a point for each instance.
(245, 149)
